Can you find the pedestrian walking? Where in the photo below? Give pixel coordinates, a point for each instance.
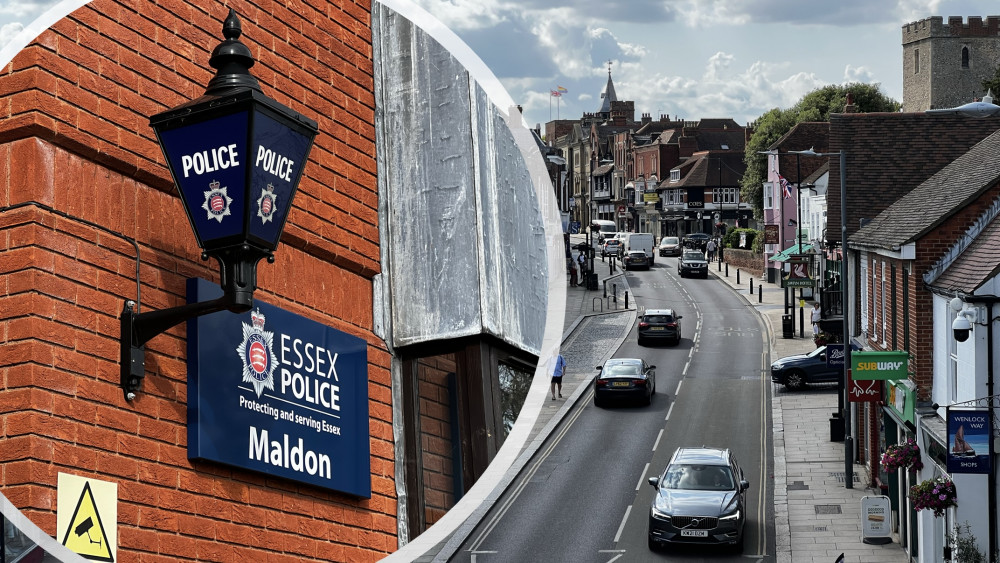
(816, 317)
(572, 272)
(557, 375)
(582, 259)
(711, 249)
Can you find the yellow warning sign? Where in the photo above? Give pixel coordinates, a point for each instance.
(92, 513)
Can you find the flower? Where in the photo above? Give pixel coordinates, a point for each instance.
(934, 494)
(898, 456)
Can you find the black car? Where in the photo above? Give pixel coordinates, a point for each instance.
(700, 499)
(636, 259)
(794, 372)
(696, 241)
(692, 262)
(659, 324)
(625, 378)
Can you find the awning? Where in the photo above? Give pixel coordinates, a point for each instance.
(791, 250)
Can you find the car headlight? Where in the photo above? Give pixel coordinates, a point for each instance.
(732, 517)
(661, 508)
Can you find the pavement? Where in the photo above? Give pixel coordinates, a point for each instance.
(817, 518)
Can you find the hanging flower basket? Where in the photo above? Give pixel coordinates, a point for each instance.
(822, 339)
(933, 494)
(899, 456)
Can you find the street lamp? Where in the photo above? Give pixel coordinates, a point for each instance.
(236, 157)
(845, 405)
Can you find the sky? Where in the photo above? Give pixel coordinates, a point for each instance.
(689, 59)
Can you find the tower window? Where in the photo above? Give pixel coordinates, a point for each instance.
(965, 57)
(916, 61)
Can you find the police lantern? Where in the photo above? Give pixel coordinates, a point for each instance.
(236, 157)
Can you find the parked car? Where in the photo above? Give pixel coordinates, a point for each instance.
(794, 372)
(700, 499)
(611, 247)
(636, 259)
(670, 246)
(625, 378)
(696, 241)
(659, 324)
(692, 262)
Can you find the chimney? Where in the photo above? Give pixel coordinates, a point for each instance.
(850, 107)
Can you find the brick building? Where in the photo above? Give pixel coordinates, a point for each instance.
(88, 213)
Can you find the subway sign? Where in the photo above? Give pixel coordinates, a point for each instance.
(882, 366)
(276, 393)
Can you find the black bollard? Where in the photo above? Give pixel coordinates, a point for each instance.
(751, 286)
(611, 267)
(737, 276)
(727, 269)
(720, 265)
(614, 292)
(760, 293)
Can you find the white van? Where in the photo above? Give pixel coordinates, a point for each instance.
(640, 241)
(601, 229)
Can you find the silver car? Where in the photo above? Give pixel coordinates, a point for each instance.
(700, 499)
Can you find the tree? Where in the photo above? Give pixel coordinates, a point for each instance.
(992, 84)
(814, 106)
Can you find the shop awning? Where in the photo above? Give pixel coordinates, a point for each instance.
(791, 250)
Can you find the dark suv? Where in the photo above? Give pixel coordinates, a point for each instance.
(659, 324)
(697, 241)
(700, 499)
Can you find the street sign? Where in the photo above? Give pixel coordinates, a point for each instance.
(771, 234)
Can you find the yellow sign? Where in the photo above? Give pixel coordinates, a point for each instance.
(87, 516)
(651, 197)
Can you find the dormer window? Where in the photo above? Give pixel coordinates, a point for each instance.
(675, 175)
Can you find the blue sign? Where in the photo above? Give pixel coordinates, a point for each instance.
(968, 441)
(274, 392)
(835, 355)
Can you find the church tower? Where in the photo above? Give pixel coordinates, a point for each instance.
(944, 65)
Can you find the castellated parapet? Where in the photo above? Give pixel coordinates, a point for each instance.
(945, 63)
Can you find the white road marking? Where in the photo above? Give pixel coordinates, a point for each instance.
(642, 477)
(670, 410)
(621, 527)
(657, 442)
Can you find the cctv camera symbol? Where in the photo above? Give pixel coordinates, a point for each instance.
(84, 528)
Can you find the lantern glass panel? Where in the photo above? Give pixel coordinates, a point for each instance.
(208, 161)
(278, 157)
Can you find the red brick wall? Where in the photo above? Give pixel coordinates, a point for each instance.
(74, 136)
(435, 436)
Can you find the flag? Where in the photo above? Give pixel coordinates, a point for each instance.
(561, 89)
(786, 190)
(555, 93)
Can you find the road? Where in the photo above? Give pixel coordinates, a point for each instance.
(585, 496)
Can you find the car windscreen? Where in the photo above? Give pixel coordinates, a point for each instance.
(658, 319)
(694, 256)
(621, 369)
(698, 477)
(668, 240)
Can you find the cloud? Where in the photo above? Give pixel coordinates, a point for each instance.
(8, 31)
(22, 9)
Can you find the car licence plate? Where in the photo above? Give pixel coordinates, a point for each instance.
(656, 328)
(694, 533)
(621, 383)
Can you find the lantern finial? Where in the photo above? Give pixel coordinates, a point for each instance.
(232, 59)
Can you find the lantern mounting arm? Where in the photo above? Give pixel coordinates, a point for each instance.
(238, 266)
